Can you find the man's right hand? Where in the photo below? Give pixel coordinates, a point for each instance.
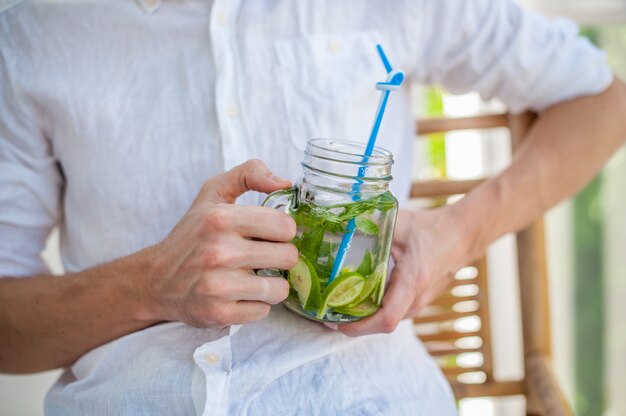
(204, 268)
(201, 274)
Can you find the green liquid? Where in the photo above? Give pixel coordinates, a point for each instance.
(320, 231)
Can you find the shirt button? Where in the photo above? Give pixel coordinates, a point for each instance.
(232, 111)
(334, 47)
(212, 358)
(221, 19)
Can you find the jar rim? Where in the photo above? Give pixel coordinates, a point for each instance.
(379, 156)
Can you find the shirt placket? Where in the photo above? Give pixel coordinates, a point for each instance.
(215, 360)
(235, 145)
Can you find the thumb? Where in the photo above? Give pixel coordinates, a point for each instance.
(252, 175)
(396, 302)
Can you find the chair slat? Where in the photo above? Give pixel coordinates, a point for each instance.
(442, 188)
(455, 371)
(542, 383)
(452, 351)
(443, 317)
(494, 389)
(461, 282)
(448, 299)
(485, 318)
(443, 125)
(448, 336)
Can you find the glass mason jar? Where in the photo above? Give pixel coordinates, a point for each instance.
(344, 211)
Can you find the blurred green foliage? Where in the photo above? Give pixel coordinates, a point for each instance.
(589, 301)
(590, 276)
(436, 148)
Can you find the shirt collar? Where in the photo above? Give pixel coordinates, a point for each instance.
(149, 6)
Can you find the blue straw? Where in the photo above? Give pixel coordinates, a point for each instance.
(394, 80)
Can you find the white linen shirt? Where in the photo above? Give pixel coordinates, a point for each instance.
(114, 112)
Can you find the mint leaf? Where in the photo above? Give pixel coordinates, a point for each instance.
(297, 241)
(311, 243)
(385, 202)
(365, 268)
(335, 228)
(326, 248)
(305, 218)
(315, 221)
(366, 226)
(323, 270)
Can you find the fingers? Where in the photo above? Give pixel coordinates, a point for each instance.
(263, 223)
(227, 313)
(225, 285)
(264, 255)
(250, 176)
(396, 303)
(228, 297)
(238, 253)
(248, 287)
(234, 252)
(247, 311)
(254, 222)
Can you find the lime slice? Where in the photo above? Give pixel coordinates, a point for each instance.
(345, 270)
(377, 294)
(341, 291)
(366, 308)
(372, 283)
(303, 279)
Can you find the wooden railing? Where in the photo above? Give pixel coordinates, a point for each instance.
(539, 385)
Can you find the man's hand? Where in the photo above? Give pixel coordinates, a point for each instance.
(200, 274)
(428, 248)
(206, 263)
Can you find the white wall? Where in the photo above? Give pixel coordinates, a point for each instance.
(559, 249)
(614, 204)
(23, 395)
(583, 11)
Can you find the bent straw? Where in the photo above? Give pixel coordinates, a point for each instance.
(393, 82)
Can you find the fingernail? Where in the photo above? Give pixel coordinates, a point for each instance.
(278, 179)
(331, 326)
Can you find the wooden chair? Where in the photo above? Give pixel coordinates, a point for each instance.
(539, 386)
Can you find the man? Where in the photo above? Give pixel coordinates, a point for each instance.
(113, 114)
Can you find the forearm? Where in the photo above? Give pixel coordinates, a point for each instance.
(565, 148)
(198, 275)
(48, 322)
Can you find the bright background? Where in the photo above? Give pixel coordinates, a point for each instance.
(586, 243)
(586, 252)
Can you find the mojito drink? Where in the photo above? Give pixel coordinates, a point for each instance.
(358, 288)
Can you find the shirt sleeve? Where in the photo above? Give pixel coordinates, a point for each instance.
(30, 179)
(498, 49)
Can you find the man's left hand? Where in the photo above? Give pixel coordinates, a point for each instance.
(428, 248)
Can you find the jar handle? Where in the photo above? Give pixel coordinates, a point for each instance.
(285, 199)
